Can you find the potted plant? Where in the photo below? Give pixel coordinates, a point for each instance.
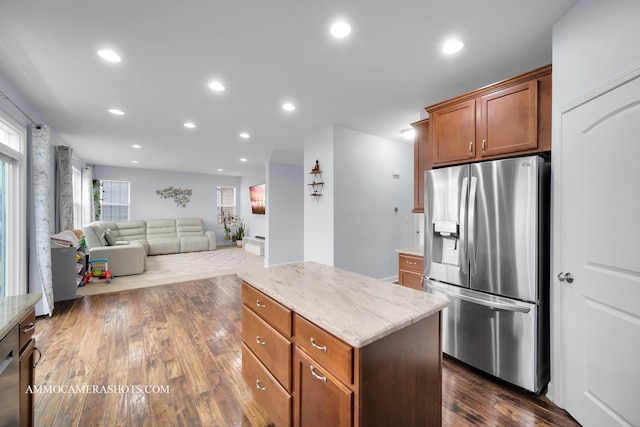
(239, 234)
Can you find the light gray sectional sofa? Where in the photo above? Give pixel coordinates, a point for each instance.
(126, 244)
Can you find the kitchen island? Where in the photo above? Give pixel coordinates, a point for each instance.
(324, 346)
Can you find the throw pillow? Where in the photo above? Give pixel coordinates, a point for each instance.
(108, 237)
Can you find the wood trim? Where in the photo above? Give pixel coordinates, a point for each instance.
(531, 75)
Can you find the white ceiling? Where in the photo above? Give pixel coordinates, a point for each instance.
(377, 80)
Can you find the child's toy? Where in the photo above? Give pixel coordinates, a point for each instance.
(99, 268)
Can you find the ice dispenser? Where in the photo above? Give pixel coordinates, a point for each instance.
(445, 243)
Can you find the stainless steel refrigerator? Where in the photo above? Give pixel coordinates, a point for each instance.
(487, 250)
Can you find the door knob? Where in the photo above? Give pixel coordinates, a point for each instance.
(568, 277)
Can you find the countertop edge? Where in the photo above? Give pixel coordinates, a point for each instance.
(14, 308)
(414, 251)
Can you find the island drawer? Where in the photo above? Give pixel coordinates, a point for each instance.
(266, 389)
(274, 313)
(273, 350)
(411, 263)
(27, 327)
(332, 353)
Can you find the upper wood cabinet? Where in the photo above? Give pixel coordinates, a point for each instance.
(507, 118)
(421, 162)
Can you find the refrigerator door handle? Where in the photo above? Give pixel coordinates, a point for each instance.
(471, 255)
(495, 305)
(464, 261)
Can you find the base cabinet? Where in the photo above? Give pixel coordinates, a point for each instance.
(410, 271)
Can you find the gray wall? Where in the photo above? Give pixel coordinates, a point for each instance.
(366, 188)
(357, 171)
(593, 42)
(285, 213)
(146, 204)
(318, 214)
(255, 225)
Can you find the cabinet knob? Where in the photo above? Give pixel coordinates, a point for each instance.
(259, 386)
(260, 340)
(259, 304)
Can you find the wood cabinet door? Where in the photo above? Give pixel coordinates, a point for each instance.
(508, 120)
(453, 133)
(411, 280)
(421, 162)
(321, 399)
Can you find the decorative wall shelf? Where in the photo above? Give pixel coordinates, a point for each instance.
(316, 182)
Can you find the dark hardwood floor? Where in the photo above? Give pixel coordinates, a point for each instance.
(186, 337)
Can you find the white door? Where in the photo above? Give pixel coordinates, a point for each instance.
(598, 203)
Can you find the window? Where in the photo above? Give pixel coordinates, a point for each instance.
(76, 183)
(115, 200)
(226, 202)
(13, 202)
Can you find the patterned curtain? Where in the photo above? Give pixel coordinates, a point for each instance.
(64, 189)
(87, 196)
(41, 170)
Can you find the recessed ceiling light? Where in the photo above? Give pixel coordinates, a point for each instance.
(189, 125)
(217, 86)
(408, 134)
(116, 112)
(245, 135)
(288, 107)
(109, 55)
(243, 159)
(452, 46)
(134, 161)
(340, 30)
(136, 146)
(220, 170)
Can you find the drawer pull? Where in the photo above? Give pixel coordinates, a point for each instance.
(320, 377)
(29, 328)
(260, 305)
(260, 341)
(259, 386)
(319, 347)
(412, 262)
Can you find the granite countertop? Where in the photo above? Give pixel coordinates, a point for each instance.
(415, 251)
(13, 309)
(355, 308)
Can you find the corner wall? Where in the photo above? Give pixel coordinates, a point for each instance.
(285, 214)
(319, 213)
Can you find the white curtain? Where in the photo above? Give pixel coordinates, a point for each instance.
(41, 176)
(64, 188)
(87, 196)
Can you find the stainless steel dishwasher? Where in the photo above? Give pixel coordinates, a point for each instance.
(10, 379)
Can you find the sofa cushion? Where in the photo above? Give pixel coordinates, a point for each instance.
(190, 227)
(164, 245)
(194, 243)
(161, 229)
